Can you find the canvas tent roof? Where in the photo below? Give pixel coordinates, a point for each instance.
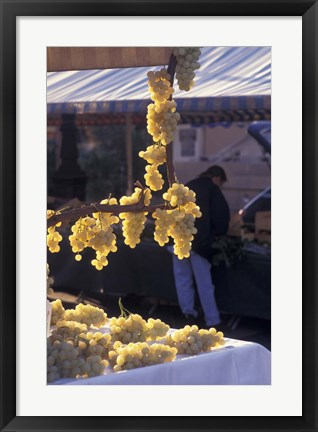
(229, 78)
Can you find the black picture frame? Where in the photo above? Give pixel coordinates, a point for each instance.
(308, 10)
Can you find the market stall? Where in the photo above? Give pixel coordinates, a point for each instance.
(127, 349)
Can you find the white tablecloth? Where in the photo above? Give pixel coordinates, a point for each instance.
(237, 362)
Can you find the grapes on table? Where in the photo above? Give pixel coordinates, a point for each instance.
(76, 350)
(86, 314)
(64, 361)
(128, 329)
(192, 340)
(157, 329)
(139, 354)
(57, 311)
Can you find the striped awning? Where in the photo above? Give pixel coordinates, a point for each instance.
(230, 79)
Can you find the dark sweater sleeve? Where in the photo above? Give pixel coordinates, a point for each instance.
(202, 239)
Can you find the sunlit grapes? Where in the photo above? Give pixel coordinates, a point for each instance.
(133, 223)
(157, 329)
(153, 178)
(53, 238)
(163, 222)
(57, 311)
(135, 355)
(154, 154)
(131, 329)
(86, 314)
(192, 340)
(162, 117)
(179, 195)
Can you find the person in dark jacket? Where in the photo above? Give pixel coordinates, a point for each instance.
(213, 222)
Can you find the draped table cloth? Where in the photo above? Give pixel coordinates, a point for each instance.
(236, 363)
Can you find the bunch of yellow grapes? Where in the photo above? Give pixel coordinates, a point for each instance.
(67, 330)
(135, 355)
(97, 233)
(94, 344)
(128, 329)
(154, 154)
(64, 361)
(187, 63)
(86, 314)
(191, 340)
(179, 222)
(162, 117)
(153, 178)
(53, 237)
(57, 311)
(163, 221)
(72, 352)
(179, 195)
(157, 329)
(182, 231)
(134, 223)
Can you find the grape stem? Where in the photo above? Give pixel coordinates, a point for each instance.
(170, 167)
(123, 311)
(87, 210)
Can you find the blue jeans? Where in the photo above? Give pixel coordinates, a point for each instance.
(199, 269)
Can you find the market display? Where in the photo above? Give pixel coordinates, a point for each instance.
(83, 342)
(84, 347)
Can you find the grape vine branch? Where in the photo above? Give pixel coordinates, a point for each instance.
(139, 207)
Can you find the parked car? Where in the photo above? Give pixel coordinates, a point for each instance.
(260, 203)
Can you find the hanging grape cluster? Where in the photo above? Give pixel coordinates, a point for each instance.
(134, 223)
(53, 237)
(177, 220)
(162, 117)
(187, 63)
(177, 223)
(95, 232)
(155, 155)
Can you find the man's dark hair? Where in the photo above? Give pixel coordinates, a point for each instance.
(214, 171)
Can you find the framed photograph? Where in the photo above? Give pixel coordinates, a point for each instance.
(289, 28)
